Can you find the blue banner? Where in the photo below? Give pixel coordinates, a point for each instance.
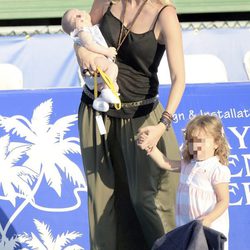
(48, 60)
(43, 194)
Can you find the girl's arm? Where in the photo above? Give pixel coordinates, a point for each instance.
(222, 195)
(163, 162)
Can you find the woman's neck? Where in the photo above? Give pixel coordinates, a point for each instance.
(134, 3)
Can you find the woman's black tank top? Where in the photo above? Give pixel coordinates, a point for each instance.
(138, 59)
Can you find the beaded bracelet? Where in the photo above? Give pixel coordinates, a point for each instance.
(167, 115)
(166, 122)
(166, 119)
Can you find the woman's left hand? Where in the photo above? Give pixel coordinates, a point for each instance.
(148, 137)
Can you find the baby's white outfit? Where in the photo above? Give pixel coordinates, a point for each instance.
(196, 195)
(95, 33)
(100, 103)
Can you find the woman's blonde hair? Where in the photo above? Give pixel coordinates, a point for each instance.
(210, 125)
(159, 1)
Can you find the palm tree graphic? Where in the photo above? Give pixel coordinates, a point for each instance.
(46, 156)
(13, 177)
(47, 241)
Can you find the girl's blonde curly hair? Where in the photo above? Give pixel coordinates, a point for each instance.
(210, 125)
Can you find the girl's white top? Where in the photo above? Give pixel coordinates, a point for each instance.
(196, 196)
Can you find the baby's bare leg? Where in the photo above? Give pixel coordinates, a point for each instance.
(112, 72)
(110, 68)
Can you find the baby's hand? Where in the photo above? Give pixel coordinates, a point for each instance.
(111, 53)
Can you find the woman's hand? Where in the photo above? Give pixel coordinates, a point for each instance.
(148, 137)
(85, 59)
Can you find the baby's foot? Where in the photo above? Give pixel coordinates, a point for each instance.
(100, 104)
(109, 96)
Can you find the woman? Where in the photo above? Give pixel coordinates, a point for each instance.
(130, 200)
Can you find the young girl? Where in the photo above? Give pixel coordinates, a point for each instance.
(203, 191)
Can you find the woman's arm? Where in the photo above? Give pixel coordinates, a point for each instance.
(222, 196)
(170, 35)
(85, 58)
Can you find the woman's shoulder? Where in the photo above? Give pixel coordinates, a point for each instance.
(167, 18)
(167, 11)
(161, 7)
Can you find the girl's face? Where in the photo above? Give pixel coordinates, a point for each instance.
(202, 145)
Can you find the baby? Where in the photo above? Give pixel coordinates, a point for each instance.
(78, 25)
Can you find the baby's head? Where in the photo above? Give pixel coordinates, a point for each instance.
(204, 137)
(74, 18)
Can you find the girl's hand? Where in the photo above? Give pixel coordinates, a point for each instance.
(149, 136)
(205, 221)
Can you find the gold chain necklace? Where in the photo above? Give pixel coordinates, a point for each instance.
(122, 37)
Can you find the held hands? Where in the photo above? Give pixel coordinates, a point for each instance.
(140, 143)
(148, 137)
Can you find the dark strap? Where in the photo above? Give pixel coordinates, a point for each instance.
(168, 5)
(109, 8)
(110, 5)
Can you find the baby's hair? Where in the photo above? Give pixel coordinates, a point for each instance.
(210, 125)
(66, 26)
